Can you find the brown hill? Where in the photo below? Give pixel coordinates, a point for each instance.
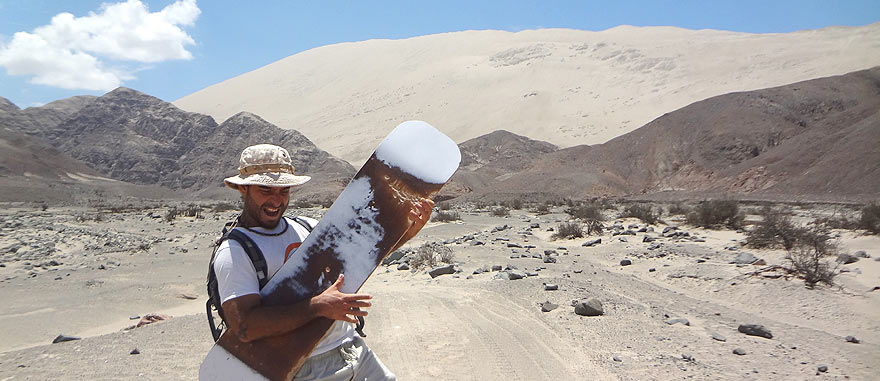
(814, 139)
(493, 157)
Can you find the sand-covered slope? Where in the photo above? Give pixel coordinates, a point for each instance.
(813, 139)
(567, 87)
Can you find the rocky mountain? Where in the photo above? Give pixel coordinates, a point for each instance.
(818, 138)
(566, 87)
(140, 139)
(6, 105)
(493, 157)
(39, 121)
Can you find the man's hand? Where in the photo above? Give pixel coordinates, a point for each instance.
(418, 217)
(336, 305)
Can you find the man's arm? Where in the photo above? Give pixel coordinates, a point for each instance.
(248, 319)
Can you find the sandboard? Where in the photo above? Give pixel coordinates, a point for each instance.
(365, 222)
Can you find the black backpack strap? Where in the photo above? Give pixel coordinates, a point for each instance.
(305, 223)
(254, 253)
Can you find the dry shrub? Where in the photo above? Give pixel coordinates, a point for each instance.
(224, 207)
(431, 254)
(809, 255)
(594, 227)
(642, 212)
(716, 213)
(542, 209)
(568, 230)
(870, 218)
(775, 230)
(678, 208)
(446, 216)
(586, 212)
(515, 204)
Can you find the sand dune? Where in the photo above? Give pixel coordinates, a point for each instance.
(563, 86)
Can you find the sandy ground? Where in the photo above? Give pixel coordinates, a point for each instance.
(450, 327)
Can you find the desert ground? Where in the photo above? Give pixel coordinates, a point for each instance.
(93, 273)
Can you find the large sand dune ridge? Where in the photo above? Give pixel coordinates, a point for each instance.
(563, 86)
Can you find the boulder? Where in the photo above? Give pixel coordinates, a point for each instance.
(592, 242)
(625, 262)
(548, 306)
(550, 287)
(755, 330)
(744, 258)
(441, 270)
(847, 259)
(681, 321)
(589, 307)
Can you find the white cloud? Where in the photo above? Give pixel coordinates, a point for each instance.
(72, 52)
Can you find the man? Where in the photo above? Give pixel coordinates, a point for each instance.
(264, 181)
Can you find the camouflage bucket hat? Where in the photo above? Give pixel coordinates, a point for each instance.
(267, 165)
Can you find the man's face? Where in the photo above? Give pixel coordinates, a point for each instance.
(264, 206)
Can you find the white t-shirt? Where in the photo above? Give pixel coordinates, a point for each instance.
(236, 275)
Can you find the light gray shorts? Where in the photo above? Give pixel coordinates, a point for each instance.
(350, 361)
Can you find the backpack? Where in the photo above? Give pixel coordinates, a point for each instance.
(256, 256)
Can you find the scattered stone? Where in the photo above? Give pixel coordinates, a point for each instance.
(151, 318)
(496, 267)
(188, 296)
(652, 270)
(625, 262)
(514, 245)
(669, 229)
(861, 254)
(469, 277)
(578, 271)
(760, 262)
(550, 252)
(622, 239)
(687, 357)
(589, 307)
(718, 337)
(101, 267)
(134, 317)
(550, 287)
(538, 256)
(683, 321)
(823, 368)
(700, 260)
(739, 351)
(403, 266)
(62, 338)
(134, 352)
(592, 242)
(615, 358)
(648, 239)
(852, 339)
(535, 225)
(441, 270)
(396, 255)
(744, 258)
(755, 330)
(847, 259)
(549, 260)
(654, 246)
(531, 273)
(548, 306)
(477, 243)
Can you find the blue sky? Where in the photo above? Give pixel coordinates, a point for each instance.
(171, 52)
